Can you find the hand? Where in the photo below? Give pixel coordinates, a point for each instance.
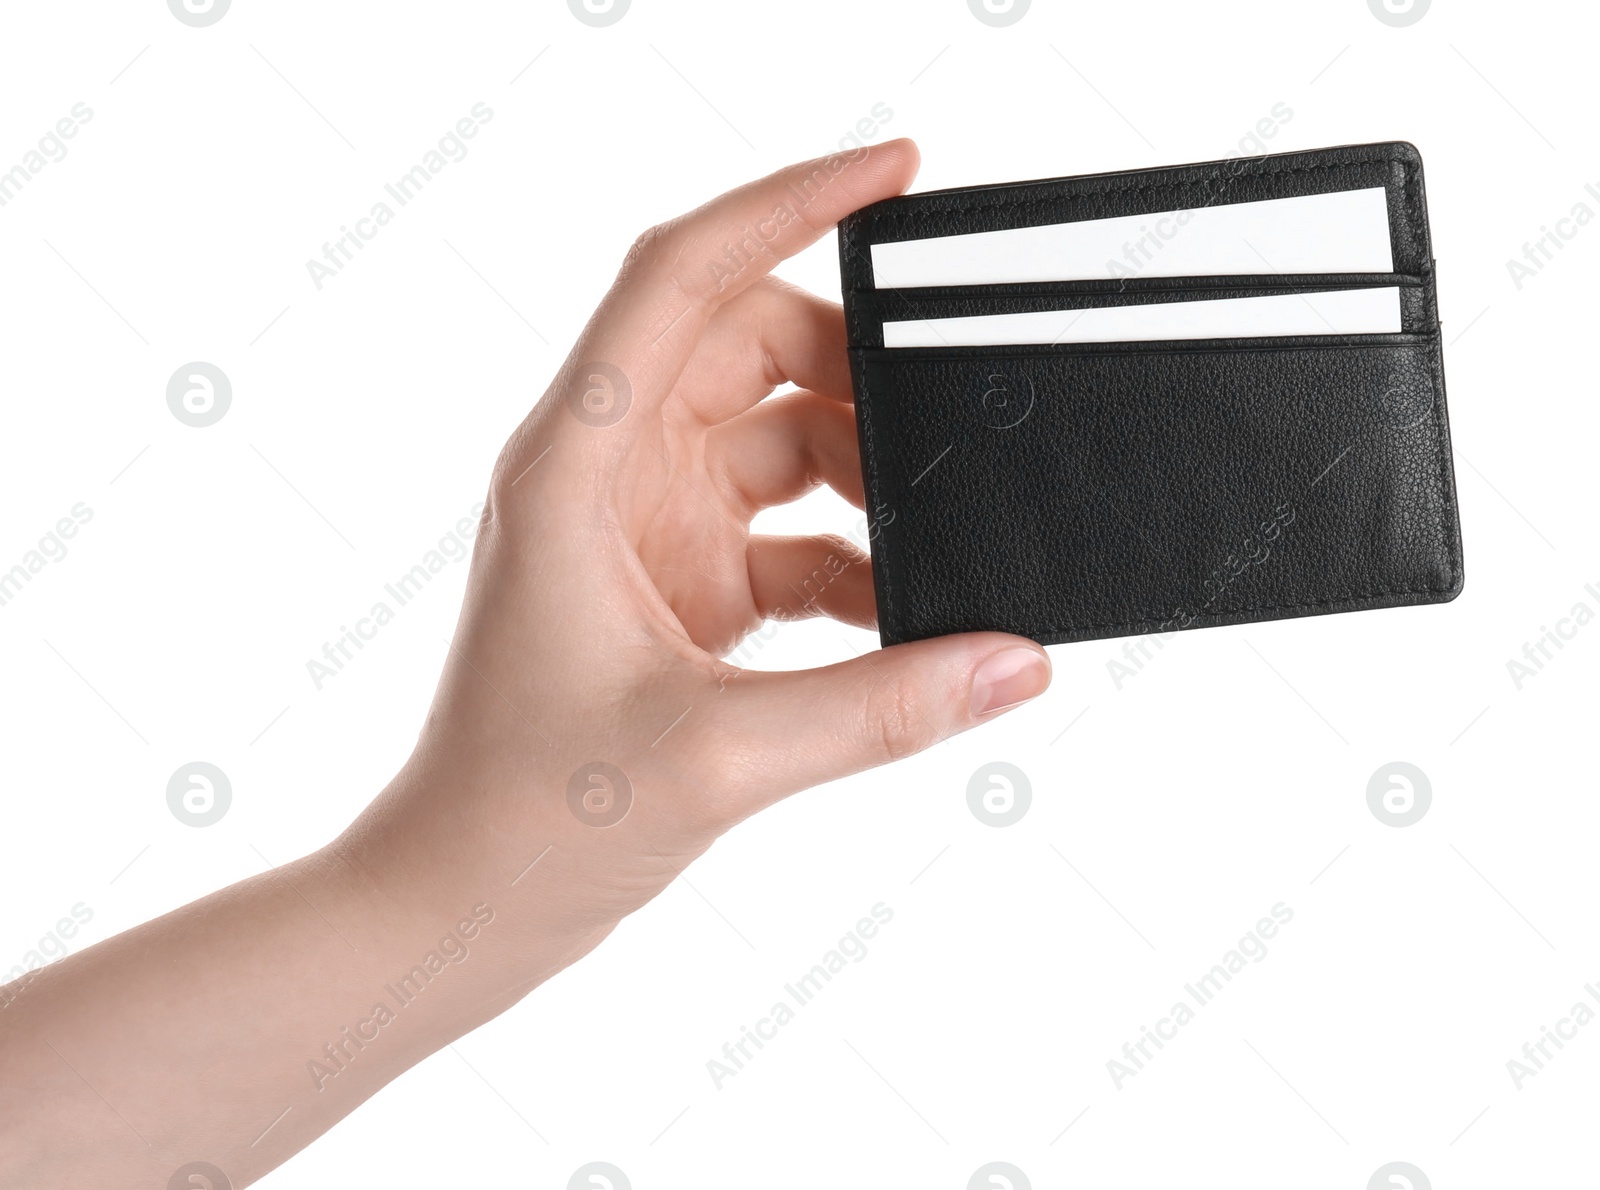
(616, 566)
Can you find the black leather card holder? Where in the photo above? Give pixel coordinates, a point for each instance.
(1077, 491)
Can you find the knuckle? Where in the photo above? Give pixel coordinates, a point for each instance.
(720, 774)
(652, 248)
(509, 477)
(847, 552)
(897, 721)
(658, 257)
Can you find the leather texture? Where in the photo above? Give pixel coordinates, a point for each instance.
(1081, 491)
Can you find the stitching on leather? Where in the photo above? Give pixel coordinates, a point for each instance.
(880, 556)
(899, 217)
(1450, 543)
(950, 203)
(1052, 629)
(1452, 554)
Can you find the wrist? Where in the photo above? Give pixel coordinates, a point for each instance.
(478, 881)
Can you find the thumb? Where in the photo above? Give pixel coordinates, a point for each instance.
(817, 725)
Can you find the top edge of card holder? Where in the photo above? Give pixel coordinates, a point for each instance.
(1071, 198)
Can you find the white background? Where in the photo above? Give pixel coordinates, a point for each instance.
(1167, 816)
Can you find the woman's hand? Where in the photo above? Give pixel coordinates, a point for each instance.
(584, 707)
(585, 743)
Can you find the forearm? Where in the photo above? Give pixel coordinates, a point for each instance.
(239, 1028)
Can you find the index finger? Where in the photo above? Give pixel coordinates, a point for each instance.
(679, 272)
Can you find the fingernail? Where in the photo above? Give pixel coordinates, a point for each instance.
(1010, 677)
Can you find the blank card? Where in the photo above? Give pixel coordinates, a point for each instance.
(1339, 232)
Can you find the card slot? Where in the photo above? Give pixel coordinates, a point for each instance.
(1416, 312)
(1397, 167)
(1341, 229)
(869, 312)
(1109, 490)
(1278, 282)
(1280, 343)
